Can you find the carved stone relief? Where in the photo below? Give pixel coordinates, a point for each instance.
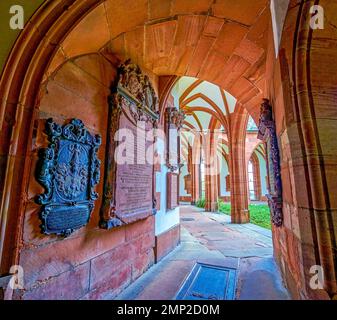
(68, 170)
(267, 133)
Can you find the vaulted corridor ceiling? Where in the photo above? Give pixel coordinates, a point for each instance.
(213, 41)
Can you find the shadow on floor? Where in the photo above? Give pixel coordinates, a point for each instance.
(210, 238)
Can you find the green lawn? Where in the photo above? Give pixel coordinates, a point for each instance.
(259, 213)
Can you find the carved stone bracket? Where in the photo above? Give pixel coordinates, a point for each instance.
(69, 171)
(267, 133)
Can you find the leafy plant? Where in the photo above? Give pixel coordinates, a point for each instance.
(201, 203)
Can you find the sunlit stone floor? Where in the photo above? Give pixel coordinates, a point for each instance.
(211, 238)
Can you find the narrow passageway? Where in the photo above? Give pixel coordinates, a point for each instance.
(210, 238)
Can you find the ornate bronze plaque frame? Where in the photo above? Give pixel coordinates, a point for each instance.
(69, 171)
(267, 133)
(132, 97)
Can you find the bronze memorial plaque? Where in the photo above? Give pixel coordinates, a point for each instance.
(129, 193)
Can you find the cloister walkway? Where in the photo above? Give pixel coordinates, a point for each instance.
(210, 238)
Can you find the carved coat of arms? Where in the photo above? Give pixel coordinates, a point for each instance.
(68, 170)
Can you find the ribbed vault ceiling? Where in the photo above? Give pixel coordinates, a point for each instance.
(221, 41)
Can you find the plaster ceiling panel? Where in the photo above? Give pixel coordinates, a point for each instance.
(182, 85)
(211, 91)
(223, 148)
(190, 119)
(204, 119)
(188, 136)
(199, 102)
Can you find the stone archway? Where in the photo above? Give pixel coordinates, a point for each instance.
(295, 82)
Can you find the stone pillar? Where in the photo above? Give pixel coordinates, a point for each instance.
(195, 183)
(211, 172)
(257, 176)
(238, 166)
(195, 169)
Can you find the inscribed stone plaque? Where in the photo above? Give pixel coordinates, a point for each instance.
(172, 190)
(129, 171)
(134, 179)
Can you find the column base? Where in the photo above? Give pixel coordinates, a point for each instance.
(240, 216)
(211, 206)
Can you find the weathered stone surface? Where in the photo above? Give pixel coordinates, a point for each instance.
(166, 242)
(189, 38)
(135, 230)
(70, 285)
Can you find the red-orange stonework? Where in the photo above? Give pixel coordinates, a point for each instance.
(63, 65)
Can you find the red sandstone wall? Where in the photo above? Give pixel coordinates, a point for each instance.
(286, 239)
(92, 263)
(166, 242)
(295, 243)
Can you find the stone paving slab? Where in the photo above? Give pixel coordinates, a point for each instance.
(211, 239)
(259, 279)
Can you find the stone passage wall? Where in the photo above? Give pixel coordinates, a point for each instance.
(92, 263)
(302, 88)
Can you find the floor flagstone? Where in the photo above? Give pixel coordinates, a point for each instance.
(210, 238)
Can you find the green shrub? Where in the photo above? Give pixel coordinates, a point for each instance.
(224, 207)
(201, 203)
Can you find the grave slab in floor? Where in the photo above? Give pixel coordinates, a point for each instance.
(248, 249)
(208, 282)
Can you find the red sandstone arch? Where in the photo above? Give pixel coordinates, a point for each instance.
(38, 49)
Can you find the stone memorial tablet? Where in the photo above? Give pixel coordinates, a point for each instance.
(172, 190)
(129, 193)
